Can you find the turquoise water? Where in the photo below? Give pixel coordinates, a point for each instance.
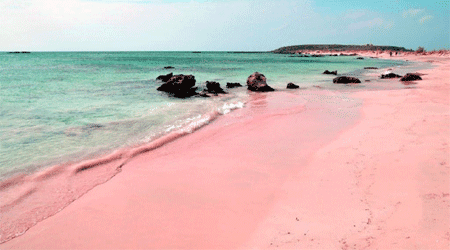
(62, 106)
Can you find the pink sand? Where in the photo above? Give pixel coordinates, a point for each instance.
(285, 173)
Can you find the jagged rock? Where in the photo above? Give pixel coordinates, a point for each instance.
(410, 77)
(326, 72)
(214, 88)
(346, 79)
(390, 75)
(164, 78)
(292, 86)
(257, 82)
(180, 86)
(233, 85)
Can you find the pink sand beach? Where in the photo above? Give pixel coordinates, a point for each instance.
(300, 169)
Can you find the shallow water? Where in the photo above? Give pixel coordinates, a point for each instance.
(61, 107)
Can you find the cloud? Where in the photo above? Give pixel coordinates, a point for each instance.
(366, 24)
(411, 12)
(425, 19)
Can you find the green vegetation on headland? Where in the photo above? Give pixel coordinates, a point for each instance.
(338, 47)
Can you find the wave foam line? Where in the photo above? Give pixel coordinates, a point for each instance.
(29, 199)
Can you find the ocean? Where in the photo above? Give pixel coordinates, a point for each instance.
(59, 107)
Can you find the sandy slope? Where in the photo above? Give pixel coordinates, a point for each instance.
(383, 184)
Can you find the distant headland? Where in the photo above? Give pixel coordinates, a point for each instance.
(338, 47)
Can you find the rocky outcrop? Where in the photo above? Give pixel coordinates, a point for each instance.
(389, 76)
(346, 80)
(257, 82)
(164, 78)
(214, 88)
(233, 85)
(326, 72)
(410, 77)
(292, 86)
(180, 86)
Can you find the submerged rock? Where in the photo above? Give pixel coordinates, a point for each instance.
(410, 77)
(164, 78)
(181, 86)
(257, 82)
(214, 88)
(326, 72)
(292, 86)
(346, 79)
(390, 75)
(233, 85)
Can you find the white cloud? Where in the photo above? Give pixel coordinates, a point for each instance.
(366, 24)
(411, 12)
(425, 19)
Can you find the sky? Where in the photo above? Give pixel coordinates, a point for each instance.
(219, 25)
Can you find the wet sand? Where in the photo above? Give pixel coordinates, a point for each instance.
(293, 169)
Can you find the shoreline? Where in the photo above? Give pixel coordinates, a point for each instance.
(271, 198)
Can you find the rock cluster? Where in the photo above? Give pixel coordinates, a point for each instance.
(181, 86)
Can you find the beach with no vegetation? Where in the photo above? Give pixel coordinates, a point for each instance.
(362, 166)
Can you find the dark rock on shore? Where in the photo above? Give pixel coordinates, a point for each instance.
(164, 78)
(410, 77)
(292, 86)
(233, 85)
(214, 88)
(180, 86)
(257, 82)
(346, 79)
(390, 75)
(326, 72)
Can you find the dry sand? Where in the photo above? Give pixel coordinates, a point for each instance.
(290, 170)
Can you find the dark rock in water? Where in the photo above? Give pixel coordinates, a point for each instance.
(292, 86)
(346, 79)
(390, 75)
(410, 77)
(257, 82)
(180, 86)
(360, 58)
(214, 88)
(169, 67)
(233, 85)
(18, 52)
(326, 72)
(370, 68)
(164, 78)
